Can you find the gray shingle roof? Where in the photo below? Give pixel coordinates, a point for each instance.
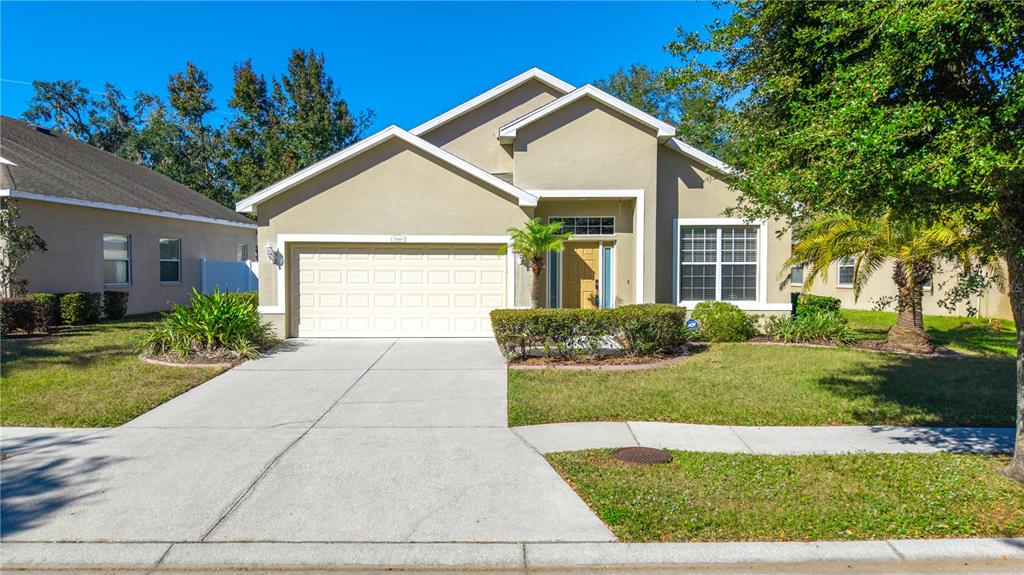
(55, 164)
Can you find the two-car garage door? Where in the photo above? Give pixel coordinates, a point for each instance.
(342, 290)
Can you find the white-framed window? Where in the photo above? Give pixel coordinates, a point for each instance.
(927, 285)
(846, 267)
(242, 253)
(796, 275)
(117, 259)
(586, 225)
(718, 263)
(170, 261)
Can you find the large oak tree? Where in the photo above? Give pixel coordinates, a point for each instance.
(912, 108)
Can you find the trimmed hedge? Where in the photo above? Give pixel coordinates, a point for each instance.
(21, 313)
(722, 321)
(649, 329)
(808, 304)
(50, 307)
(646, 329)
(115, 304)
(81, 307)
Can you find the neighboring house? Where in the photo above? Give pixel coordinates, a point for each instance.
(111, 224)
(994, 302)
(399, 233)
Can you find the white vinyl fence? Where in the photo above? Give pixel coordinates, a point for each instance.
(228, 276)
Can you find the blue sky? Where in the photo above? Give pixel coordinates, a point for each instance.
(406, 61)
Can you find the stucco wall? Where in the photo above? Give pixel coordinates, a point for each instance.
(994, 303)
(391, 189)
(74, 257)
(587, 145)
(474, 135)
(688, 190)
(623, 239)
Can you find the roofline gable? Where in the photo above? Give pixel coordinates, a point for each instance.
(698, 155)
(665, 131)
(248, 205)
(493, 93)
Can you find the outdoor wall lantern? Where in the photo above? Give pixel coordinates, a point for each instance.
(274, 256)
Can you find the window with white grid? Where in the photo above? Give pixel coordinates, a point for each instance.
(718, 263)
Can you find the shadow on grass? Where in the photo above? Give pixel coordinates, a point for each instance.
(36, 485)
(964, 391)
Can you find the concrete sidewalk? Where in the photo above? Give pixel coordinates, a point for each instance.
(965, 555)
(554, 437)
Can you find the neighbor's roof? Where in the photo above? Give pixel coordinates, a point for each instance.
(60, 168)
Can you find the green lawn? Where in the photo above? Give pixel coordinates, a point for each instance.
(749, 384)
(738, 497)
(87, 376)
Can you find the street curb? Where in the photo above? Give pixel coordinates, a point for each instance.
(186, 556)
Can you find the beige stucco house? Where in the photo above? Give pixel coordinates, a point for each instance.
(994, 302)
(110, 224)
(399, 234)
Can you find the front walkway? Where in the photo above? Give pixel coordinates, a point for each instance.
(377, 440)
(554, 437)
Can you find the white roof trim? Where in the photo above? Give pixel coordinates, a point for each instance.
(4, 160)
(122, 208)
(531, 74)
(248, 205)
(507, 133)
(568, 194)
(702, 157)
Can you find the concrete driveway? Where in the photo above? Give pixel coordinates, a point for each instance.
(325, 440)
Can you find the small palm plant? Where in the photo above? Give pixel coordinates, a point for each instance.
(533, 241)
(915, 248)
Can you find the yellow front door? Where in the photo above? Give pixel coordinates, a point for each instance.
(580, 270)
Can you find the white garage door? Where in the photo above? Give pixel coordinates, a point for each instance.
(381, 291)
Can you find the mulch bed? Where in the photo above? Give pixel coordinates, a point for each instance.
(219, 359)
(878, 346)
(608, 361)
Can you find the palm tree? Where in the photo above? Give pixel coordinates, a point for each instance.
(533, 242)
(915, 249)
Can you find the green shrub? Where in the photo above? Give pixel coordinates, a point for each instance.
(49, 304)
(21, 313)
(252, 297)
(723, 321)
(819, 327)
(649, 329)
(646, 329)
(808, 304)
(552, 332)
(216, 322)
(115, 304)
(80, 307)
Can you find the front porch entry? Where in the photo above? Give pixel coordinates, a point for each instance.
(581, 275)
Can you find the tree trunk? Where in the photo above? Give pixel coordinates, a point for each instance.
(536, 296)
(1015, 266)
(908, 333)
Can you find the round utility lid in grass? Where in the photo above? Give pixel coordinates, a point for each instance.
(642, 455)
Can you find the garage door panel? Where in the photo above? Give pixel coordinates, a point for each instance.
(395, 290)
